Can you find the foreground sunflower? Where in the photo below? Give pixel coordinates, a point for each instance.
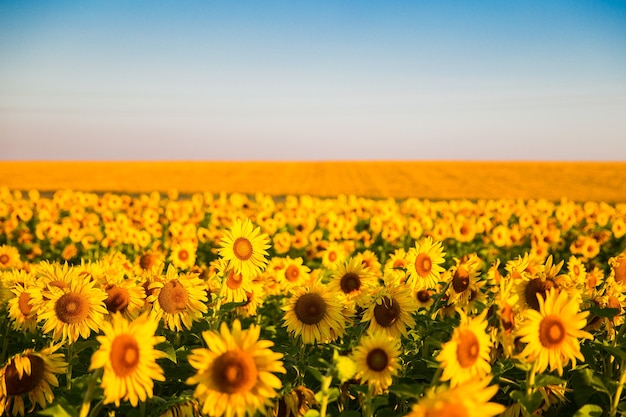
(244, 247)
(391, 309)
(33, 374)
(178, 299)
(470, 399)
(424, 263)
(376, 357)
(465, 356)
(72, 311)
(315, 313)
(352, 280)
(235, 372)
(128, 357)
(552, 334)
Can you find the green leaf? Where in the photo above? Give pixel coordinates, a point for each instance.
(406, 391)
(316, 374)
(312, 413)
(543, 380)
(589, 410)
(585, 383)
(615, 351)
(58, 410)
(603, 312)
(168, 349)
(350, 413)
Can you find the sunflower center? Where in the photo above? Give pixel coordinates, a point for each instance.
(332, 256)
(23, 305)
(350, 282)
(423, 296)
(118, 298)
(551, 332)
(423, 264)
(534, 288)
(292, 273)
(234, 372)
(460, 280)
(124, 355)
(234, 280)
(310, 308)
(173, 297)
(377, 360)
(387, 312)
(71, 308)
(451, 409)
(183, 255)
(468, 349)
(242, 248)
(4, 259)
(18, 386)
(147, 261)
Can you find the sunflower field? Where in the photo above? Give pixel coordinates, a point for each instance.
(205, 304)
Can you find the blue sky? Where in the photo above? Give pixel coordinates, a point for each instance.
(303, 80)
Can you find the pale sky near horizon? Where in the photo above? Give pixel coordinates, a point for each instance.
(326, 80)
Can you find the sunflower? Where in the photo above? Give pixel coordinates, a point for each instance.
(552, 334)
(9, 257)
(178, 299)
(235, 373)
(376, 358)
(464, 281)
(128, 357)
(424, 263)
(183, 255)
(391, 309)
(294, 273)
(20, 305)
(244, 247)
(466, 355)
(72, 311)
(126, 297)
(470, 399)
(30, 373)
(352, 280)
(315, 313)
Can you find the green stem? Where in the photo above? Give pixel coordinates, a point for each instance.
(325, 387)
(142, 408)
(620, 388)
(84, 409)
(5, 340)
(70, 359)
(530, 381)
(367, 403)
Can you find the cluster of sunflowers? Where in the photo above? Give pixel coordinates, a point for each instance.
(234, 305)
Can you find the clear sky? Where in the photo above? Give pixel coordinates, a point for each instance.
(312, 80)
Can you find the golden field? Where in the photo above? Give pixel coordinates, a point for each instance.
(578, 181)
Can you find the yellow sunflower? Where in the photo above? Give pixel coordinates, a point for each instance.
(315, 313)
(128, 357)
(178, 299)
(30, 373)
(424, 263)
(235, 373)
(73, 311)
(391, 310)
(377, 360)
(20, 304)
(125, 296)
(466, 355)
(552, 334)
(470, 399)
(9, 257)
(183, 255)
(244, 247)
(294, 273)
(352, 280)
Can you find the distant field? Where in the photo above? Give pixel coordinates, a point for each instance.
(434, 180)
